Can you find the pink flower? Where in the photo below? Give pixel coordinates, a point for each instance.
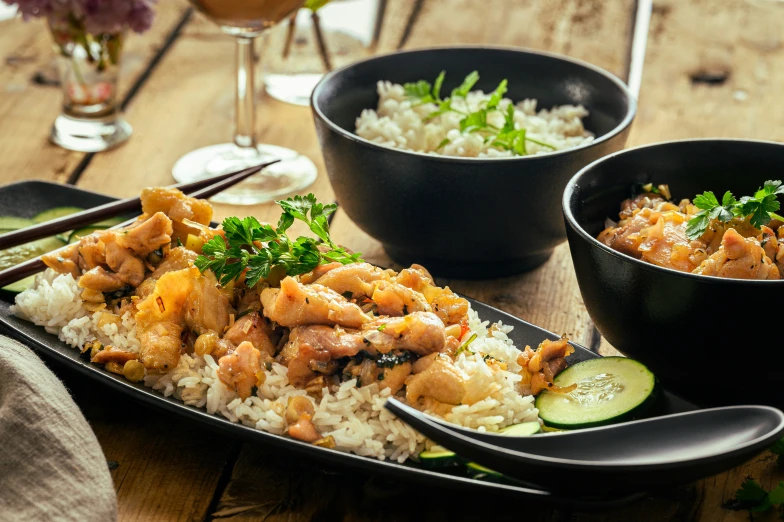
(97, 16)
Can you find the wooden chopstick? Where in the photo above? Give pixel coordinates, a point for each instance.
(33, 266)
(109, 210)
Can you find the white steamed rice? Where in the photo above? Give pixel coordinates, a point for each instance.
(401, 124)
(355, 417)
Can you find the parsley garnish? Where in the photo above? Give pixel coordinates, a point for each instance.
(752, 496)
(759, 209)
(254, 249)
(508, 137)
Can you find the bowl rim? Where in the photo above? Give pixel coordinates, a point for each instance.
(697, 278)
(618, 129)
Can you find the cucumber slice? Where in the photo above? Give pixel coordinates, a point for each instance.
(15, 255)
(439, 459)
(54, 213)
(478, 472)
(609, 390)
(523, 429)
(21, 285)
(14, 223)
(18, 254)
(79, 233)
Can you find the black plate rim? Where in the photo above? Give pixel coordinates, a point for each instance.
(625, 123)
(570, 219)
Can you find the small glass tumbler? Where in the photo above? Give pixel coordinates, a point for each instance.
(316, 39)
(89, 66)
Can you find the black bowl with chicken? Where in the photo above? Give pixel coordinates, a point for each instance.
(464, 217)
(710, 339)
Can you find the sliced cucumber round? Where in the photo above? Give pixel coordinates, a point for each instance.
(18, 254)
(609, 390)
(14, 223)
(110, 222)
(21, 285)
(54, 213)
(523, 429)
(439, 459)
(79, 233)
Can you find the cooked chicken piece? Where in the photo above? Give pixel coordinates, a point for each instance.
(295, 304)
(417, 278)
(247, 298)
(422, 333)
(101, 280)
(92, 250)
(222, 347)
(441, 380)
(313, 275)
(336, 341)
(161, 317)
(147, 236)
(112, 354)
(448, 306)
(353, 280)
(304, 359)
(657, 235)
(646, 200)
(254, 329)
(395, 299)
(145, 288)
(65, 261)
(128, 268)
(241, 369)
(739, 258)
(176, 259)
(368, 371)
(540, 367)
(207, 307)
(161, 345)
(769, 243)
(626, 238)
(394, 378)
(299, 415)
(178, 207)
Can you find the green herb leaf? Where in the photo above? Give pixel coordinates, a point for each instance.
(751, 491)
(497, 95)
(465, 87)
(759, 209)
(437, 85)
(255, 249)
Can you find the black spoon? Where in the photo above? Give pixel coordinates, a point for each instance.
(634, 456)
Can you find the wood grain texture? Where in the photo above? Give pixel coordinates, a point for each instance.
(30, 99)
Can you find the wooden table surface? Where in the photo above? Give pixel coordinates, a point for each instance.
(713, 68)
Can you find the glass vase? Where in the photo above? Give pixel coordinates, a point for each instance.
(91, 120)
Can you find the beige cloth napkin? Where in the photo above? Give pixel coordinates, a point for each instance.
(51, 466)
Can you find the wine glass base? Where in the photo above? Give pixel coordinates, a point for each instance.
(293, 173)
(89, 134)
(292, 88)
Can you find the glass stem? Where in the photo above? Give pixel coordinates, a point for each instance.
(245, 133)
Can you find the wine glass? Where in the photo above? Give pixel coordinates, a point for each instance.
(245, 20)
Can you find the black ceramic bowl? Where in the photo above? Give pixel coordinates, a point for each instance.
(712, 340)
(464, 217)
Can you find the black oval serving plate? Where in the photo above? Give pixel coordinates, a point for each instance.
(28, 198)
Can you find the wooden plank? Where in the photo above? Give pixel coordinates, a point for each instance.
(161, 469)
(30, 101)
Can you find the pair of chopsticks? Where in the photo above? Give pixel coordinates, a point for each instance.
(198, 189)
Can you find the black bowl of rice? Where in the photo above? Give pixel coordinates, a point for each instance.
(464, 182)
